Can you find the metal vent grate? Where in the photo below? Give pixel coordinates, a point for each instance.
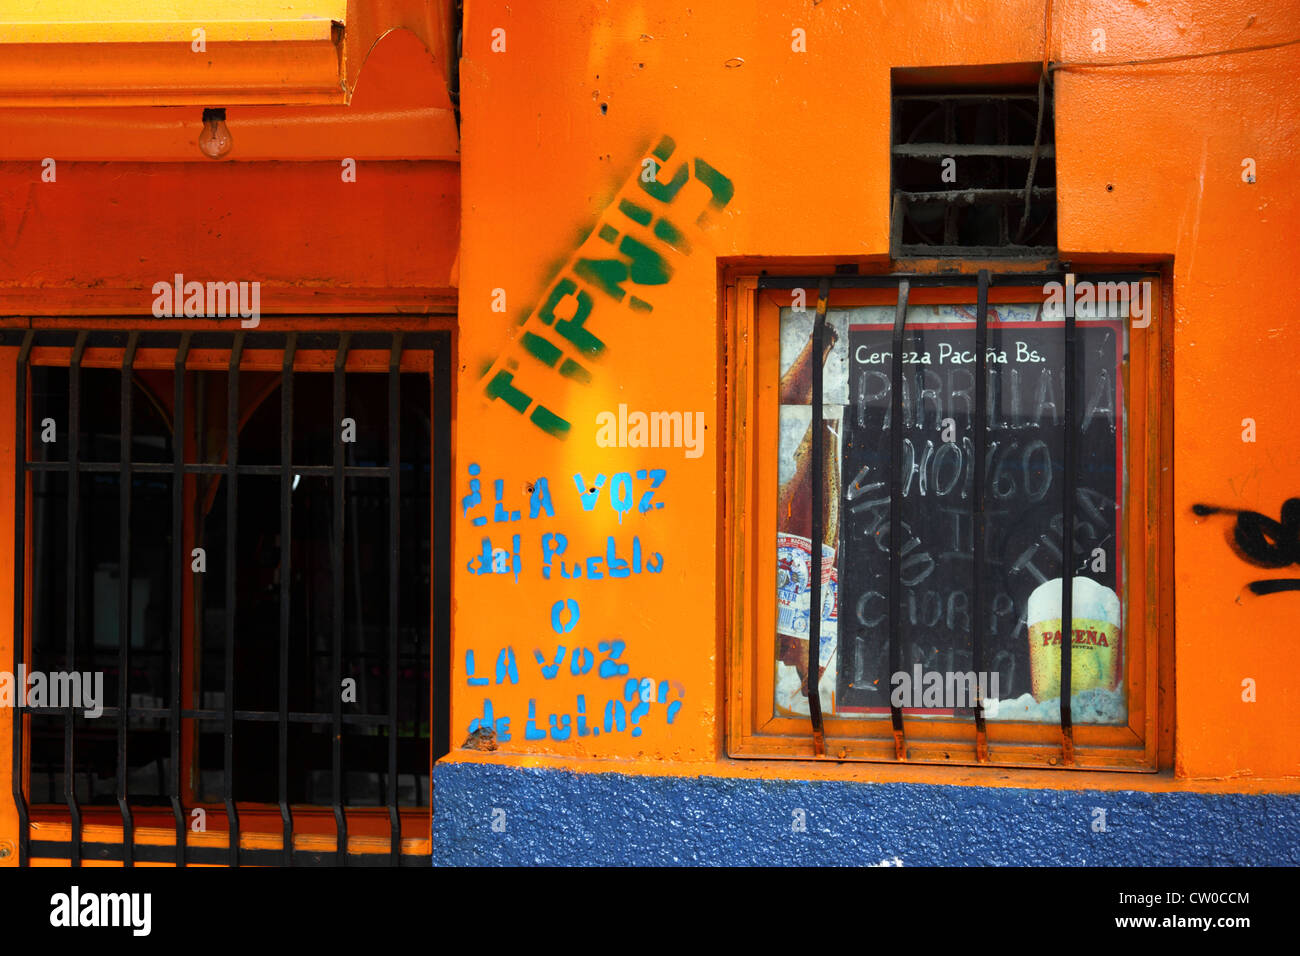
(974, 174)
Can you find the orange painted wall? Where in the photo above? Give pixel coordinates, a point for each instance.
(134, 201)
(803, 137)
(557, 123)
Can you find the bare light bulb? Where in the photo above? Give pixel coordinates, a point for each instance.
(215, 140)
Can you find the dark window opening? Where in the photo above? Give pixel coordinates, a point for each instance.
(326, 571)
(974, 172)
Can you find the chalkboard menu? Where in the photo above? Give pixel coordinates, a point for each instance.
(1024, 481)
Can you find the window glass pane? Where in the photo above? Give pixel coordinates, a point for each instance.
(94, 587)
(98, 593)
(1024, 483)
(314, 684)
(49, 414)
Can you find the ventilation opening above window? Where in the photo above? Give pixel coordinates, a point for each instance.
(974, 172)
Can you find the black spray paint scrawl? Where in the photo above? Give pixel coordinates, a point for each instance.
(1265, 543)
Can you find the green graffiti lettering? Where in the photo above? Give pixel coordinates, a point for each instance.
(571, 369)
(639, 264)
(501, 387)
(549, 422)
(670, 234)
(583, 341)
(648, 267)
(638, 214)
(605, 274)
(721, 187)
(666, 192)
(564, 288)
(541, 349)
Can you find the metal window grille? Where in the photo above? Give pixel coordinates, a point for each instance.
(1070, 423)
(256, 671)
(999, 197)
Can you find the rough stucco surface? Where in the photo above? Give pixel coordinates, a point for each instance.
(565, 818)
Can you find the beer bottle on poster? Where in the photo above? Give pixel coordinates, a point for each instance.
(796, 383)
(794, 554)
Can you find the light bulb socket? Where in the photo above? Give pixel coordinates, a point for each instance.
(215, 140)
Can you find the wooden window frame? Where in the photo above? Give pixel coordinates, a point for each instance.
(751, 371)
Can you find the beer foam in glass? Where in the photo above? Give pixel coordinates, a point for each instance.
(1096, 652)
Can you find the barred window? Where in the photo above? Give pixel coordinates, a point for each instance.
(229, 539)
(947, 441)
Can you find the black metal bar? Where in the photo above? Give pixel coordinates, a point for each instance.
(72, 583)
(180, 561)
(908, 251)
(124, 599)
(896, 512)
(156, 468)
(962, 97)
(950, 212)
(336, 550)
(263, 716)
(232, 529)
(1067, 525)
(1038, 150)
(394, 567)
(979, 428)
(816, 532)
(1004, 137)
(20, 594)
(939, 280)
(972, 197)
(950, 223)
(944, 150)
(286, 586)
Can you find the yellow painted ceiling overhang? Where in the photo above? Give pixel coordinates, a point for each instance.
(199, 52)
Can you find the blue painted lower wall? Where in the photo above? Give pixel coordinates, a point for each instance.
(489, 814)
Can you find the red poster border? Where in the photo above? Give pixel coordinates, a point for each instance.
(1121, 576)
